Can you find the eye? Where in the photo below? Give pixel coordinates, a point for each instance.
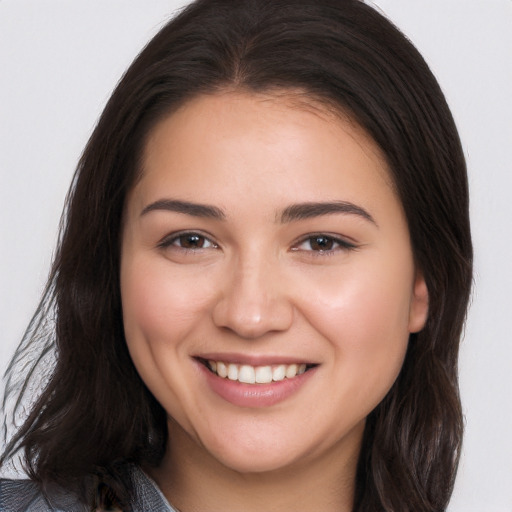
(189, 241)
(322, 243)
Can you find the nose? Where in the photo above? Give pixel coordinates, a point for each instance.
(254, 300)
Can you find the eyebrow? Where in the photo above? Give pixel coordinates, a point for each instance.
(310, 210)
(294, 212)
(186, 207)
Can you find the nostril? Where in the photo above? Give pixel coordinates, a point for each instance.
(251, 318)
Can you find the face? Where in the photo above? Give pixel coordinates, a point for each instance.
(267, 279)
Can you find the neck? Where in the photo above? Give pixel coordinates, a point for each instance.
(194, 481)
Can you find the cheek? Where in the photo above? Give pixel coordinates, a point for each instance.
(159, 306)
(161, 310)
(367, 303)
(363, 314)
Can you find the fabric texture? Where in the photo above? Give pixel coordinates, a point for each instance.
(25, 496)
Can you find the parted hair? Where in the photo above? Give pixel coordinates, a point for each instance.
(94, 414)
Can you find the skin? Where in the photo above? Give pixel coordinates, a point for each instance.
(260, 286)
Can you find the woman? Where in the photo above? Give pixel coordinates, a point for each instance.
(262, 278)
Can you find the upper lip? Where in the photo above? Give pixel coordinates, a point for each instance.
(253, 360)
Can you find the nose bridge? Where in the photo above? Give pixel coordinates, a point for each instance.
(254, 299)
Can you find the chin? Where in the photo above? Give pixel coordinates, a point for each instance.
(247, 463)
(246, 453)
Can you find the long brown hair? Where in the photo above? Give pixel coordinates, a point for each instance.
(95, 413)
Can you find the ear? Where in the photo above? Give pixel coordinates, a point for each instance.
(418, 311)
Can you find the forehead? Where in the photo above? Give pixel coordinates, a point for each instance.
(232, 144)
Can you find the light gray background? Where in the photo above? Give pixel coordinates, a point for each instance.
(59, 61)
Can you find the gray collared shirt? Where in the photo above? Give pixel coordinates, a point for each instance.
(25, 496)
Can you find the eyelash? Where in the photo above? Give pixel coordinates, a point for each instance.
(340, 244)
(335, 243)
(169, 242)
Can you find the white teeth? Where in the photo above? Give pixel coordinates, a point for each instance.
(279, 373)
(232, 372)
(247, 374)
(291, 371)
(222, 371)
(256, 374)
(263, 374)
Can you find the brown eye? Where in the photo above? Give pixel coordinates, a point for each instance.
(321, 243)
(187, 241)
(191, 241)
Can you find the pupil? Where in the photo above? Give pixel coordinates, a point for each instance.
(321, 243)
(191, 241)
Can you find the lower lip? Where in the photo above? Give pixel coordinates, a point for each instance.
(255, 395)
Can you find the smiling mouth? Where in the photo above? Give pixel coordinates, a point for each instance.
(248, 374)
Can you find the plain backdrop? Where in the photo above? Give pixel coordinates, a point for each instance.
(59, 61)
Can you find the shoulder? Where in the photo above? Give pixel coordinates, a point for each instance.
(26, 496)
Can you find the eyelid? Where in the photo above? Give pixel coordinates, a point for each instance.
(168, 240)
(342, 243)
